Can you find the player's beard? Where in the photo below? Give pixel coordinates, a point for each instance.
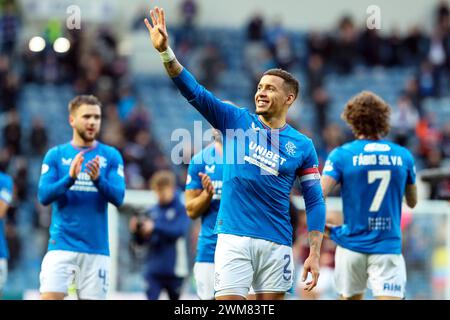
(261, 112)
(85, 137)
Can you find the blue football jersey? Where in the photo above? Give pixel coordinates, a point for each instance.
(260, 168)
(6, 193)
(373, 176)
(79, 206)
(208, 161)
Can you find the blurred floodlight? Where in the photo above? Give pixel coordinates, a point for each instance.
(36, 44)
(61, 45)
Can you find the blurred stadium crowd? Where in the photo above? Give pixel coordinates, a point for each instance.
(410, 71)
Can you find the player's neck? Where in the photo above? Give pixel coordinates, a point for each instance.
(273, 122)
(363, 137)
(81, 143)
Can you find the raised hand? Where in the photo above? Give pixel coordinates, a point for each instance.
(207, 183)
(93, 168)
(157, 29)
(75, 166)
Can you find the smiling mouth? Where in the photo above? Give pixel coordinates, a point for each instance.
(259, 102)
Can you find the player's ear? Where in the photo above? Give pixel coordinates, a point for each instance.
(71, 120)
(290, 99)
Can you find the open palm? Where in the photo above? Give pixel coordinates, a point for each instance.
(157, 29)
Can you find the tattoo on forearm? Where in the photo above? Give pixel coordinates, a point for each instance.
(173, 68)
(315, 241)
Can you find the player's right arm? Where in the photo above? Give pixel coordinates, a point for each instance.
(217, 112)
(51, 187)
(6, 193)
(198, 200)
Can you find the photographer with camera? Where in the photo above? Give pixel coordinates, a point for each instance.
(163, 230)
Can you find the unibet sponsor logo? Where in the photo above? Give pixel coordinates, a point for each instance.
(83, 183)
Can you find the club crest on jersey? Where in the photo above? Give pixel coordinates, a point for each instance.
(170, 214)
(45, 168)
(328, 166)
(210, 169)
(66, 162)
(103, 162)
(290, 148)
(120, 171)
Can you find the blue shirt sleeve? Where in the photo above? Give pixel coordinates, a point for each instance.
(51, 187)
(6, 190)
(220, 115)
(193, 180)
(309, 177)
(112, 184)
(333, 167)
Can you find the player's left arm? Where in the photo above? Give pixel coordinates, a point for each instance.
(411, 188)
(112, 184)
(309, 177)
(6, 194)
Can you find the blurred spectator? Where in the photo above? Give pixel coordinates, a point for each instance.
(258, 59)
(210, 67)
(434, 160)
(20, 172)
(112, 128)
(428, 134)
(315, 73)
(415, 44)
(38, 138)
(187, 31)
(438, 57)
(164, 231)
(392, 53)
(12, 237)
(412, 92)
(189, 11)
(9, 28)
(332, 137)
(445, 142)
(319, 43)
(8, 85)
(284, 52)
(12, 133)
(443, 15)
(427, 80)
(345, 48)
(371, 44)
(403, 121)
(127, 102)
(321, 103)
(256, 29)
(144, 153)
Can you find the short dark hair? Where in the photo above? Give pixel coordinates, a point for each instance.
(288, 78)
(78, 101)
(367, 114)
(162, 178)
